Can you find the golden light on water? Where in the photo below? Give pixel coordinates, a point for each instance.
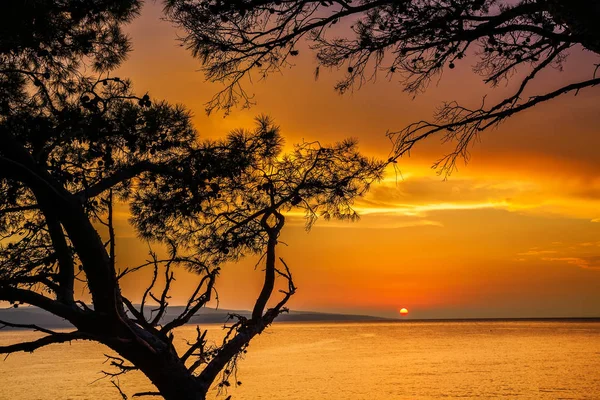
(403, 312)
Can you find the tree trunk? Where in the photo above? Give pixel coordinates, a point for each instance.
(164, 369)
(173, 381)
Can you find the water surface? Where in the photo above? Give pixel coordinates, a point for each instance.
(355, 361)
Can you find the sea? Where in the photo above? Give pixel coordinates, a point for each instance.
(354, 361)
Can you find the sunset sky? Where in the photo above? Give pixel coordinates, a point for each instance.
(515, 233)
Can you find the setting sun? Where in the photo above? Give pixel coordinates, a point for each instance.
(403, 312)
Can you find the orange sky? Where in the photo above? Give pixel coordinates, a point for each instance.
(515, 233)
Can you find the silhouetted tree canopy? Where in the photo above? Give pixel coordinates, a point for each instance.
(407, 40)
(76, 141)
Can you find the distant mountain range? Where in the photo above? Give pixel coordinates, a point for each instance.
(37, 316)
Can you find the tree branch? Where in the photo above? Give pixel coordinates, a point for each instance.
(70, 313)
(196, 302)
(46, 340)
(463, 124)
(26, 326)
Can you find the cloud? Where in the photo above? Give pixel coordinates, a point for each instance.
(419, 194)
(537, 252)
(417, 199)
(579, 254)
(590, 244)
(415, 210)
(592, 262)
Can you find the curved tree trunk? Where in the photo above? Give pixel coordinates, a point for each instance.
(159, 361)
(172, 379)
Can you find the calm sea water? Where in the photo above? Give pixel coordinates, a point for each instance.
(374, 361)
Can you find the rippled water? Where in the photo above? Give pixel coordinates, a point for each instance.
(407, 360)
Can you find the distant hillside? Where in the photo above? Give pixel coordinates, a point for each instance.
(34, 315)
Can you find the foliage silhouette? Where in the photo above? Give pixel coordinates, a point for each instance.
(74, 146)
(410, 40)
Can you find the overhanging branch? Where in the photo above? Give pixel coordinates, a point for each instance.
(45, 341)
(463, 125)
(71, 314)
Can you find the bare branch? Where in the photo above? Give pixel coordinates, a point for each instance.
(196, 301)
(463, 125)
(162, 302)
(199, 344)
(142, 394)
(241, 333)
(119, 364)
(12, 294)
(116, 384)
(45, 341)
(26, 326)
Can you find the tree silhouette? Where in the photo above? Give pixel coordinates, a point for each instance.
(72, 146)
(410, 40)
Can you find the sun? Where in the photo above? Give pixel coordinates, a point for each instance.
(403, 312)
